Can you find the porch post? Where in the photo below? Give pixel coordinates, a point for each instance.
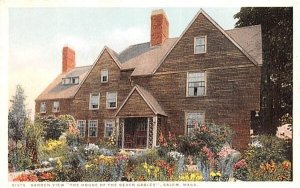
(120, 132)
(154, 131)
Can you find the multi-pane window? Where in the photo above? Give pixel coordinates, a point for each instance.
(93, 128)
(196, 84)
(70, 80)
(94, 101)
(200, 45)
(81, 127)
(111, 100)
(109, 127)
(55, 107)
(43, 107)
(194, 120)
(104, 75)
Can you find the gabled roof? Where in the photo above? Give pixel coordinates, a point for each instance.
(148, 98)
(111, 53)
(201, 11)
(250, 39)
(144, 58)
(56, 90)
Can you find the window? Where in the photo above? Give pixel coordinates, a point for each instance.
(196, 84)
(94, 101)
(111, 100)
(43, 107)
(200, 45)
(70, 80)
(109, 127)
(104, 75)
(93, 128)
(193, 120)
(55, 106)
(81, 127)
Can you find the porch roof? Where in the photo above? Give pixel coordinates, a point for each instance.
(148, 98)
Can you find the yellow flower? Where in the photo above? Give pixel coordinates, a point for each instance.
(212, 174)
(87, 166)
(219, 173)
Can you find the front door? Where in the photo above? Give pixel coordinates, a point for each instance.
(135, 133)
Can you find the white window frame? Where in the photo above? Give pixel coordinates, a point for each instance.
(186, 119)
(107, 103)
(45, 108)
(205, 44)
(105, 126)
(90, 104)
(55, 109)
(102, 75)
(89, 126)
(84, 126)
(205, 83)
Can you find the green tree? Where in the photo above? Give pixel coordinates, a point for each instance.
(17, 115)
(277, 70)
(33, 134)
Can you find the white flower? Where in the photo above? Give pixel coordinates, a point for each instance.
(175, 155)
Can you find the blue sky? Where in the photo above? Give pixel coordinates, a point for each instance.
(37, 36)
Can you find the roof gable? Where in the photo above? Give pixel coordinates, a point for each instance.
(111, 53)
(201, 11)
(150, 101)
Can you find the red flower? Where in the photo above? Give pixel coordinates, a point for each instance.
(26, 177)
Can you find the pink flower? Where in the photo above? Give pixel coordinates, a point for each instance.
(209, 154)
(240, 164)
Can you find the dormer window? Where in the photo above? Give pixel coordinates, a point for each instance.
(104, 75)
(200, 45)
(70, 81)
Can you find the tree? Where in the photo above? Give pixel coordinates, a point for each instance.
(17, 115)
(55, 126)
(277, 70)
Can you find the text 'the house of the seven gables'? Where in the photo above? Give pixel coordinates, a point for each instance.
(207, 74)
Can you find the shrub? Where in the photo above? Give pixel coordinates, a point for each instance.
(210, 135)
(266, 160)
(53, 149)
(267, 148)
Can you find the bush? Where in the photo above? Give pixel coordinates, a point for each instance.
(211, 136)
(53, 149)
(266, 160)
(267, 148)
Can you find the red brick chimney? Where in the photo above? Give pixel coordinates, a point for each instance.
(159, 27)
(68, 59)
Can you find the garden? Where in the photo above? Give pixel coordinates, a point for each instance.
(53, 151)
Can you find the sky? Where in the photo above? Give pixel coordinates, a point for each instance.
(37, 36)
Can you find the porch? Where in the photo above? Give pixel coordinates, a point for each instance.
(139, 120)
(137, 133)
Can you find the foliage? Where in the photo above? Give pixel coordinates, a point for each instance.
(160, 170)
(271, 171)
(54, 126)
(26, 178)
(240, 170)
(206, 136)
(277, 70)
(33, 134)
(17, 115)
(270, 148)
(265, 161)
(191, 176)
(17, 156)
(53, 149)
